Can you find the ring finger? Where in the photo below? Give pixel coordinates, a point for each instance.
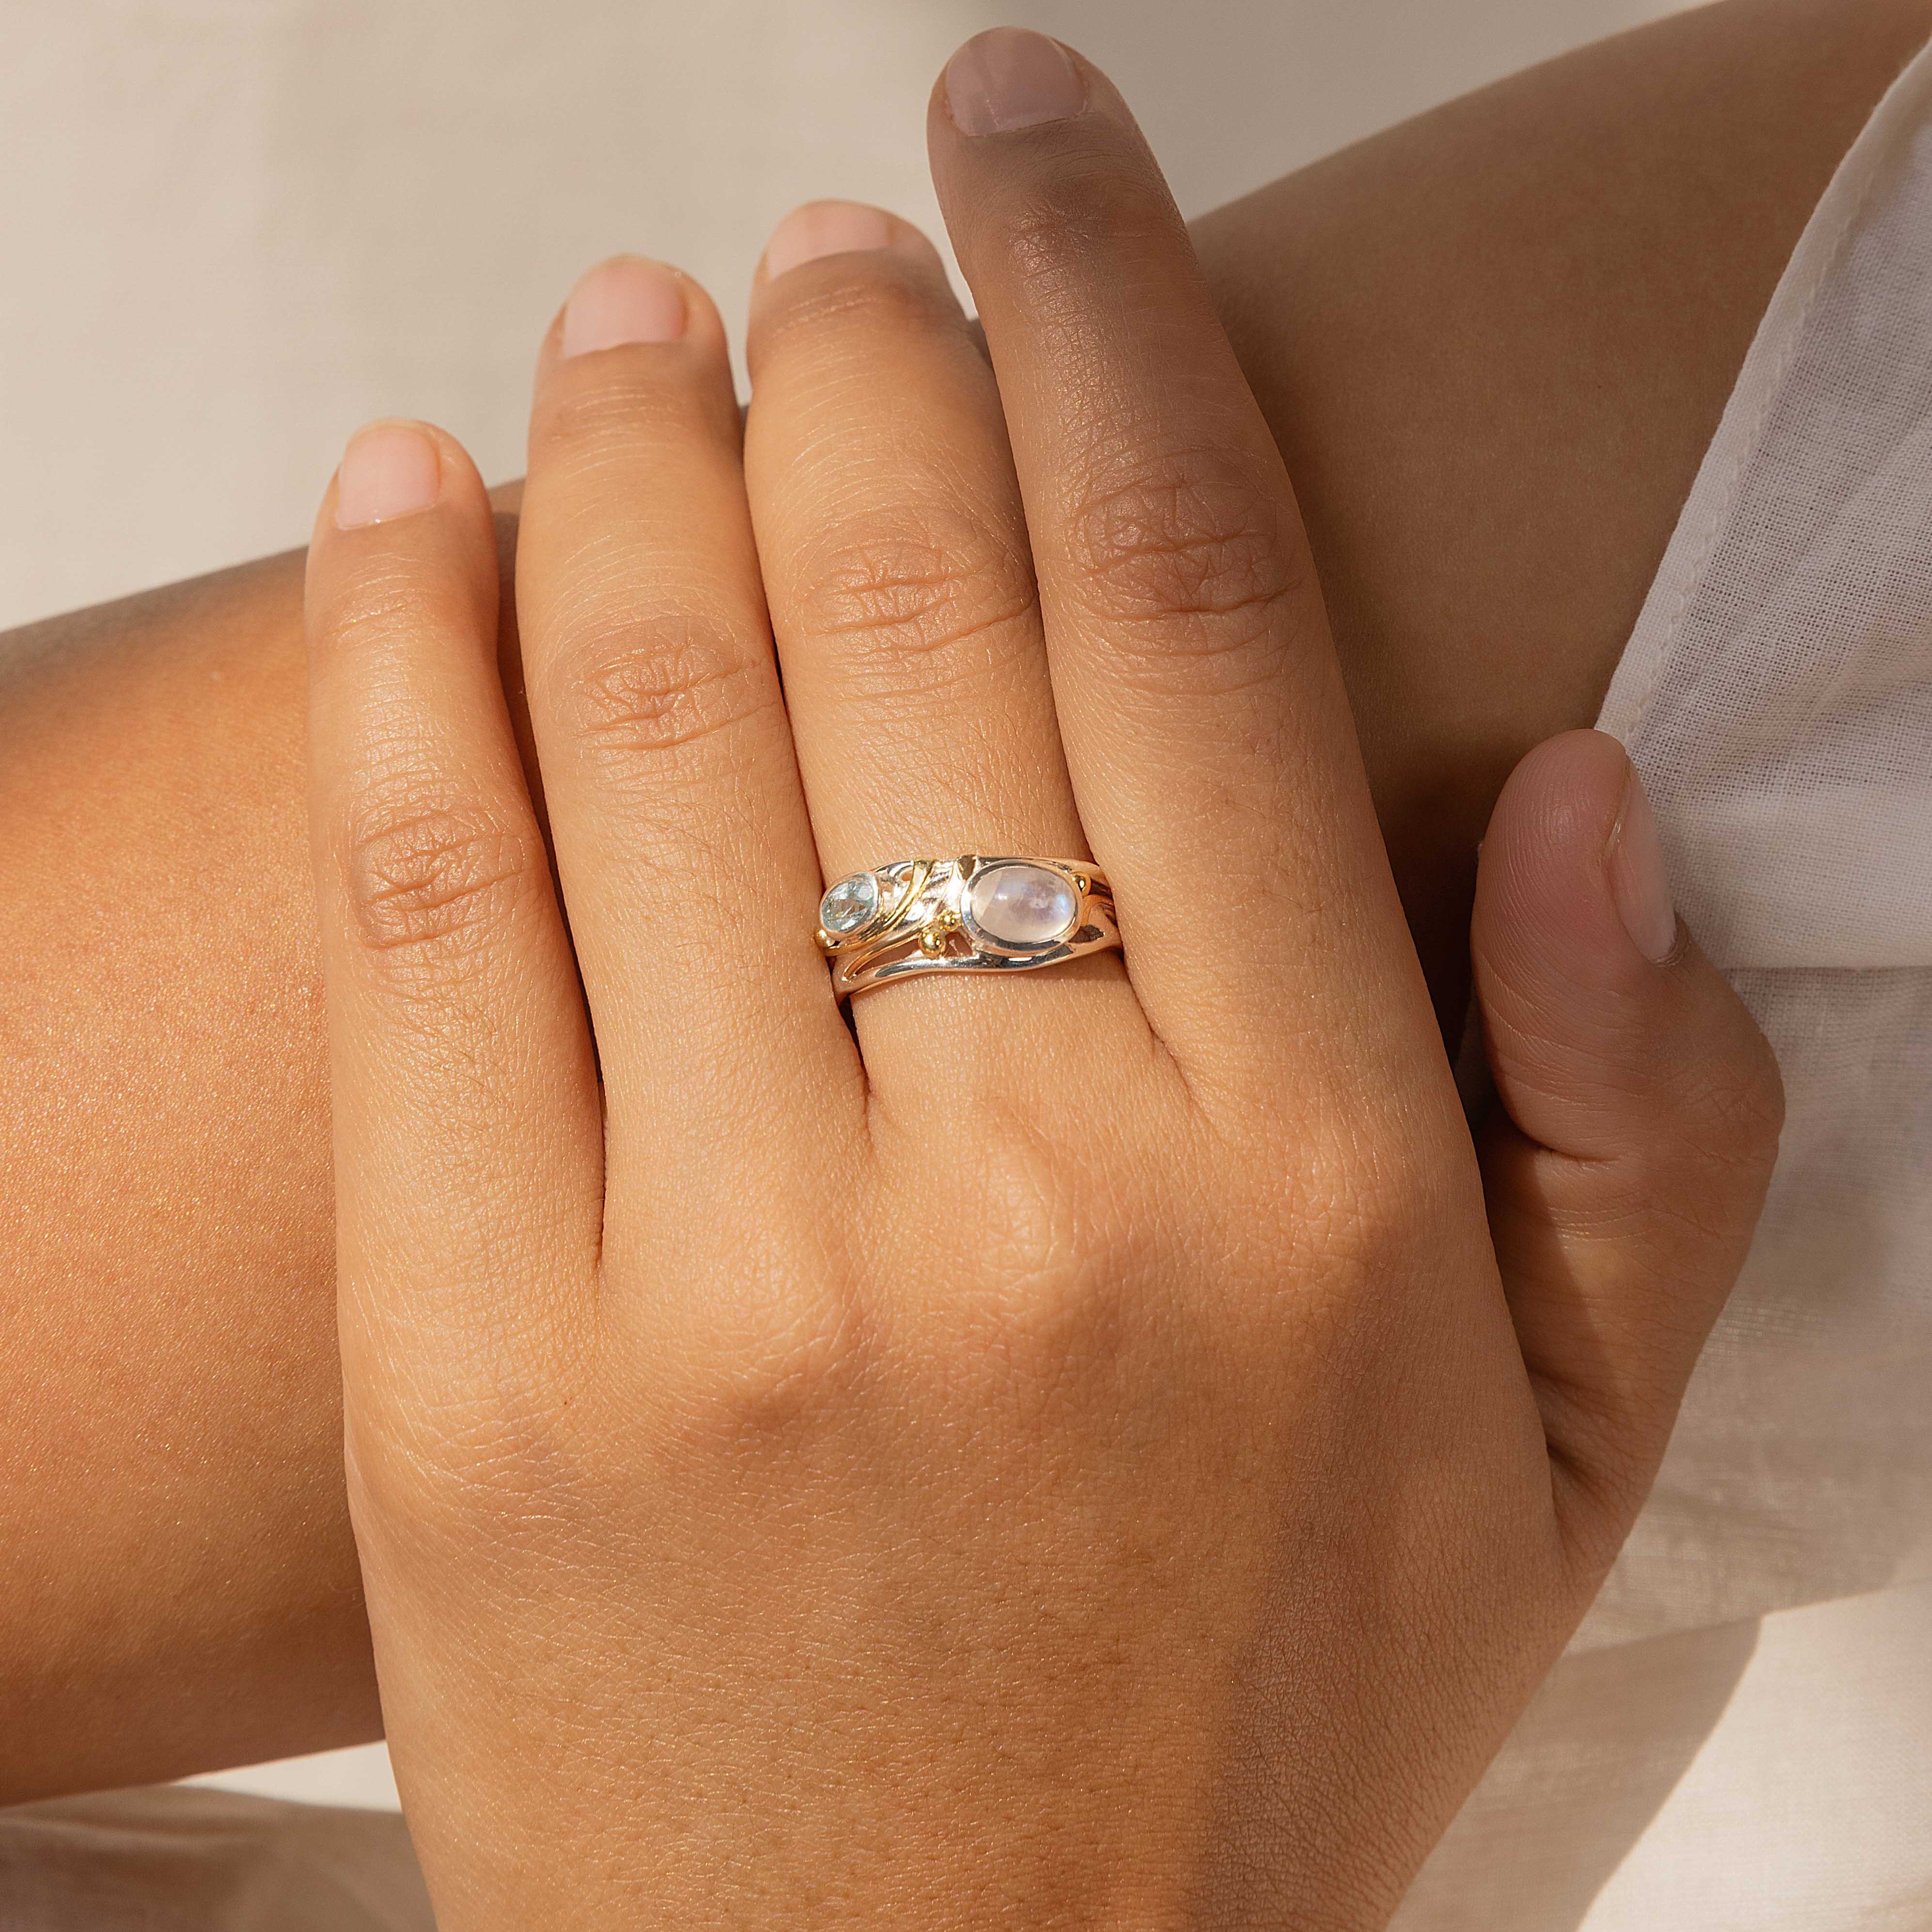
(894, 546)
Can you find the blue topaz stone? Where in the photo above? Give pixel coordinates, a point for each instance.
(850, 905)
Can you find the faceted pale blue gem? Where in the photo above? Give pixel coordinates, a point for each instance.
(849, 904)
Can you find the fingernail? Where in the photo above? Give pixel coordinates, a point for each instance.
(1637, 882)
(825, 228)
(388, 470)
(1011, 77)
(626, 299)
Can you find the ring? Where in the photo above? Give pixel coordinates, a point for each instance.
(970, 915)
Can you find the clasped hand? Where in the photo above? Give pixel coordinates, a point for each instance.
(1094, 1446)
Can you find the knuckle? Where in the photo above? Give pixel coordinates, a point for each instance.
(1032, 1217)
(366, 614)
(1187, 548)
(914, 599)
(402, 605)
(1354, 1195)
(769, 1370)
(1060, 235)
(429, 874)
(1367, 1206)
(634, 688)
(1058, 1259)
(855, 312)
(1185, 555)
(1740, 1101)
(599, 413)
(1600, 1471)
(1702, 1176)
(429, 1467)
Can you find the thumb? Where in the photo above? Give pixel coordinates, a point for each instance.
(1639, 1118)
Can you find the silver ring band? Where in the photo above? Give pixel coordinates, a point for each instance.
(975, 914)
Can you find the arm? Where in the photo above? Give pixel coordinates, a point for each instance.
(1492, 343)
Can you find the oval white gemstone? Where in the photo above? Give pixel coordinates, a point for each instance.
(1022, 905)
(849, 904)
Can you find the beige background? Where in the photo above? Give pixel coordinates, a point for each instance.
(234, 228)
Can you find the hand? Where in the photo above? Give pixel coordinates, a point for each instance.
(1085, 1450)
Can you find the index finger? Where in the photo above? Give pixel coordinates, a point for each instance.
(1206, 727)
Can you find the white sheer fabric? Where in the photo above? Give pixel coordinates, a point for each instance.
(1740, 1739)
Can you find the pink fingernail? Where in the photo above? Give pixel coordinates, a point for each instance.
(826, 228)
(624, 300)
(388, 470)
(1637, 880)
(1011, 77)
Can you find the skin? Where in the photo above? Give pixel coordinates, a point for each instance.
(942, 1468)
(166, 1239)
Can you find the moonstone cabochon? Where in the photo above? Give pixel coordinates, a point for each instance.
(1022, 906)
